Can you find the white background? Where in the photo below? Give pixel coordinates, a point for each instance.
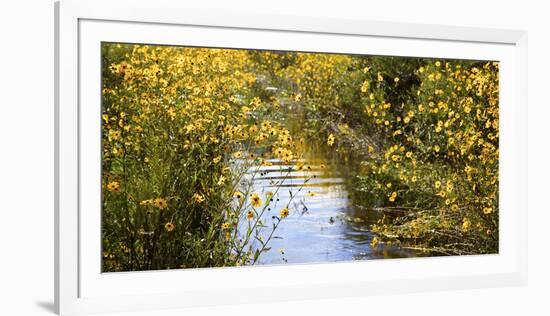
(26, 157)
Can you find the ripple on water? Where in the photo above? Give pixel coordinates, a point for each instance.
(317, 229)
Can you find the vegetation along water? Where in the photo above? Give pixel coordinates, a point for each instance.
(224, 157)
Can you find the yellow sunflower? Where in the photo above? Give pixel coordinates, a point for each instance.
(169, 227)
(250, 215)
(113, 186)
(284, 212)
(255, 200)
(161, 203)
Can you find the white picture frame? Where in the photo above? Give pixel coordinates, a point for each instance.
(81, 26)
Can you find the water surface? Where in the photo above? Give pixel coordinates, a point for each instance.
(323, 225)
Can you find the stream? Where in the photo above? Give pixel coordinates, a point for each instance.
(323, 225)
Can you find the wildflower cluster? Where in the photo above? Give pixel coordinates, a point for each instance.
(425, 135)
(182, 128)
(185, 130)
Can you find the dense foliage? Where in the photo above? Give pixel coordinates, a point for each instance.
(183, 129)
(427, 135)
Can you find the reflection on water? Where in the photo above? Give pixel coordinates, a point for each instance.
(323, 224)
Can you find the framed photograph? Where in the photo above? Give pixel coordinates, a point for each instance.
(208, 157)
